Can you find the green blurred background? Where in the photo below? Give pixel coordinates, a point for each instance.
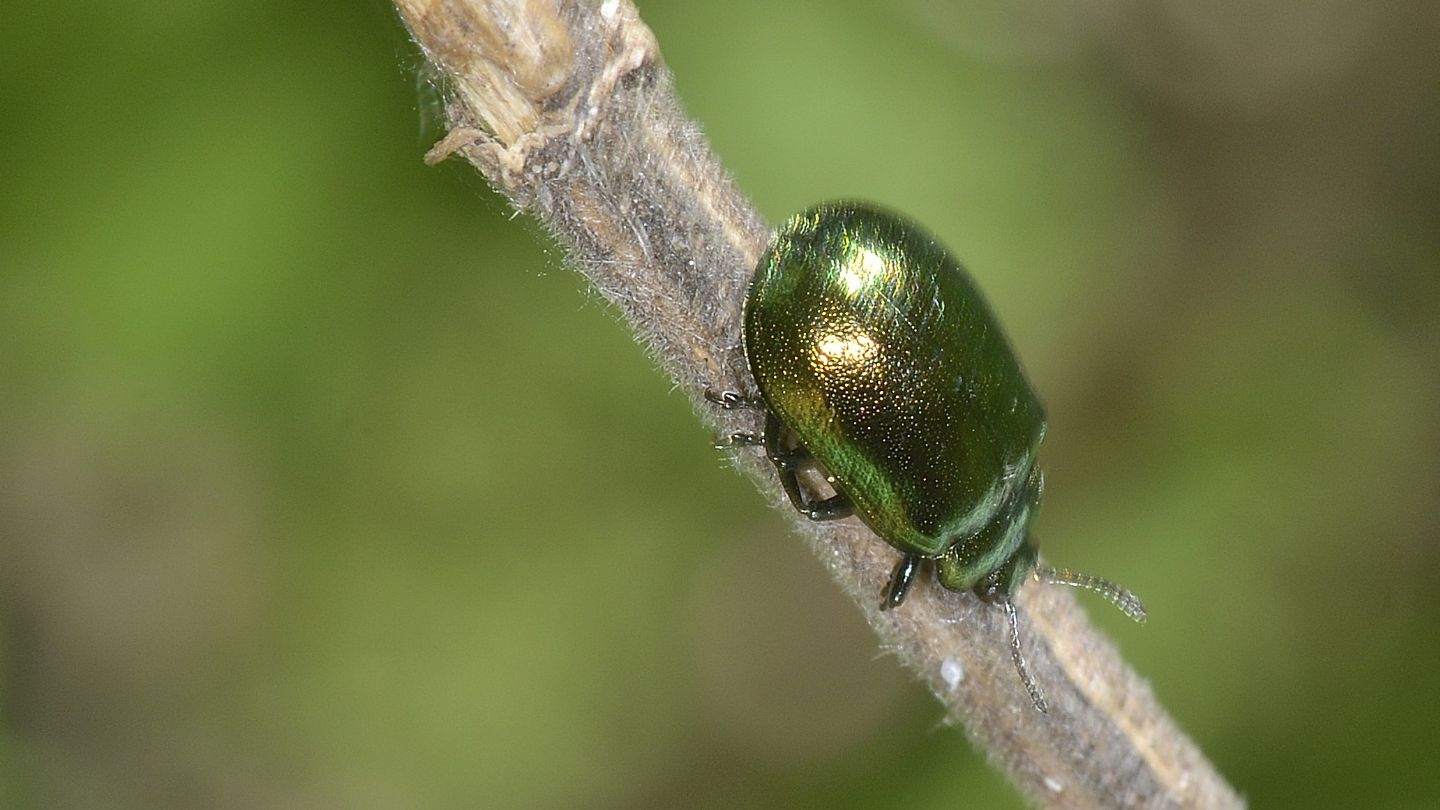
(323, 483)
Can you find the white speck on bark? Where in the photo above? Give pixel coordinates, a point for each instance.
(952, 673)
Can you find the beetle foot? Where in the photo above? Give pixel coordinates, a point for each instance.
(740, 438)
(731, 400)
(900, 581)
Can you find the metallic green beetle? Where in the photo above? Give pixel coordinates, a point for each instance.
(878, 361)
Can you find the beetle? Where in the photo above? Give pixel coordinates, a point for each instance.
(878, 361)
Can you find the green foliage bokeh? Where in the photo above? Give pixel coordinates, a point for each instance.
(324, 482)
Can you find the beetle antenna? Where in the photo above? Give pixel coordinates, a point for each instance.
(1127, 602)
(1017, 656)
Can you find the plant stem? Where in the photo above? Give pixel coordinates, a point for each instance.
(567, 108)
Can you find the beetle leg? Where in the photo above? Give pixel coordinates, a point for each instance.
(730, 400)
(787, 461)
(740, 438)
(836, 507)
(792, 459)
(900, 581)
(833, 508)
